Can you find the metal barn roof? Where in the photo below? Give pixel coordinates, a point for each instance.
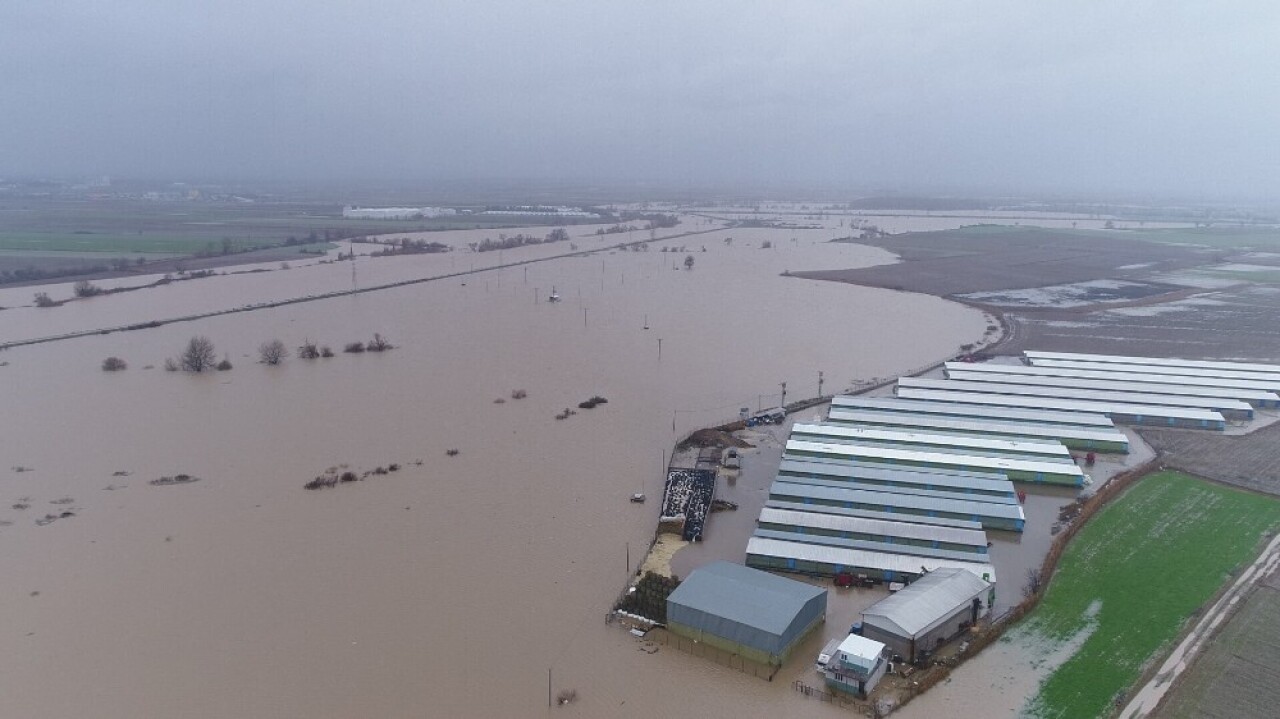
(1033, 355)
(949, 451)
(845, 470)
(872, 514)
(746, 596)
(871, 545)
(1024, 414)
(780, 489)
(877, 434)
(1188, 414)
(914, 491)
(841, 557)
(1129, 397)
(973, 426)
(1252, 396)
(926, 602)
(1139, 375)
(878, 527)
(1153, 369)
(997, 464)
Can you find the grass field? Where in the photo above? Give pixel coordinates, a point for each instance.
(117, 243)
(1219, 237)
(1133, 576)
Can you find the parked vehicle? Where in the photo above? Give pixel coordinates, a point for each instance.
(730, 459)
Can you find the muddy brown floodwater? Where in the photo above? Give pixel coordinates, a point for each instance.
(444, 589)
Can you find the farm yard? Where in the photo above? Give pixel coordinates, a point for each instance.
(1131, 579)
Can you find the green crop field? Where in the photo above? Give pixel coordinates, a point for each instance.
(1133, 576)
(117, 243)
(1266, 238)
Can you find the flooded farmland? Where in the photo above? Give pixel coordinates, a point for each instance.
(449, 587)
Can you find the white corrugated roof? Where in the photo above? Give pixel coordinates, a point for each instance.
(997, 464)
(1119, 373)
(1132, 396)
(1155, 369)
(842, 557)
(1007, 414)
(1106, 408)
(942, 423)
(926, 602)
(1155, 361)
(881, 434)
(1114, 384)
(869, 495)
(905, 530)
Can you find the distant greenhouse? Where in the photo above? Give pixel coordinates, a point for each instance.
(973, 411)
(1098, 439)
(1016, 469)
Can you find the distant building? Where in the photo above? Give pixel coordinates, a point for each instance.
(750, 613)
(395, 213)
(854, 665)
(916, 620)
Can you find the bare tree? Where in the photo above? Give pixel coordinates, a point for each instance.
(198, 356)
(378, 344)
(308, 350)
(272, 352)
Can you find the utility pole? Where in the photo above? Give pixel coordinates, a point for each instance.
(784, 395)
(819, 383)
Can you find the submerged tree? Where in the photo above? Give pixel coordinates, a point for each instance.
(272, 352)
(198, 356)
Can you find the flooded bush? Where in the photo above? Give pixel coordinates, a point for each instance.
(42, 299)
(326, 352)
(308, 350)
(85, 288)
(198, 355)
(518, 394)
(354, 347)
(379, 344)
(451, 452)
(273, 352)
(176, 479)
(593, 402)
(113, 364)
(224, 365)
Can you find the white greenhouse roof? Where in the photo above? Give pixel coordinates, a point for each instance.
(895, 404)
(1064, 405)
(872, 514)
(904, 530)
(1116, 385)
(1118, 373)
(968, 507)
(1153, 369)
(1130, 397)
(840, 556)
(974, 426)
(997, 464)
(1026, 446)
(899, 474)
(1155, 361)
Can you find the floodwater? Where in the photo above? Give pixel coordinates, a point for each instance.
(449, 588)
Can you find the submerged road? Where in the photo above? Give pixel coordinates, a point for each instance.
(343, 293)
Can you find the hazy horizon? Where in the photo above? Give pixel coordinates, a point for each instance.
(1141, 100)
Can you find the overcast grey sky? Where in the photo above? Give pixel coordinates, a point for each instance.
(1162, 97)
